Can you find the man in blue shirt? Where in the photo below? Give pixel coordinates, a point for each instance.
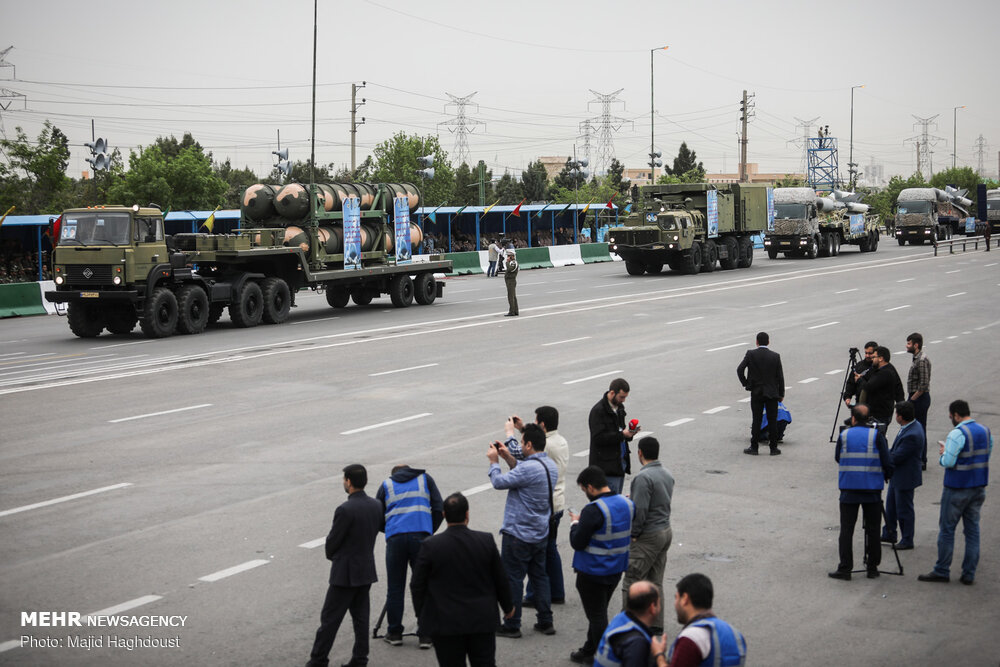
(525, 530)
(965, 456)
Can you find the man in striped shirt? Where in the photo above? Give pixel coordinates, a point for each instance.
(918, 385)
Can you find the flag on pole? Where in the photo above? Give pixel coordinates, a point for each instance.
(587, 207)
(491, 206)
(210, 223)
(459, 211)
(628, 207)
(517, 210)
(608, 205)
(6, 214)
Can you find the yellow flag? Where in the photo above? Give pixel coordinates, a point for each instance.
(491, 206)
(587, 207)
(210, 223)
(6, 214)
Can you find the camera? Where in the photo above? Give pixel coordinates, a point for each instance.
(854, 350)
(634, 424)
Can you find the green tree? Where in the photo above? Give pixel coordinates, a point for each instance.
(685, 161)
(395, 161)
(509, 190)
(535, 181)
(171, 148)
(34, 175)
(883, 202)
(790, 181)
(616, 178)
(185, 182)
(237, 181)
(300, 173)
(566, 179)
(960, 177)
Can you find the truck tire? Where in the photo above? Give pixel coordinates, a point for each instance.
(635, 268)
(277, 300)
(215, 313)
(360, 296)
(813, 248)
(192, 310)
(901, 241)
(425, 289)
(692, 260)
(654, 269)
(864, 244)
(401, 290)
(875, 239)
(746, 252)
(85, 320)
(772, 253)
(121, 320)
(836, 244)
(159, 314)
(732, 254)
(709, 256)
(337, 297)
(248, 307)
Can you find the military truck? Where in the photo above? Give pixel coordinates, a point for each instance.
(806, 225)
(690, 227)
(114, 266)
(993, 211)
(929, 214)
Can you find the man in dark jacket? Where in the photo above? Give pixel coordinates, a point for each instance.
(906, 459)
(457, 584)
(609, 438)
(760, 373)
(860, 370)
(881, 387)
(350, 547)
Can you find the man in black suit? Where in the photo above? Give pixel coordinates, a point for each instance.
(760, 373)
(906, 452)
(881, 387)
(457, 583)
(350, 547)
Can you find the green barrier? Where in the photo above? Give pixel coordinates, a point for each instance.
(594, 252)
(464, 262)
(21, 299)
(534, 258)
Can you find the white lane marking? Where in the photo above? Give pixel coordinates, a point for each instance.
(592, 377)
(690, 319)
(889, 310)
(235, 569)
(991, 264)
(568, 340)
(312, 544)
(478, 489)
(21, 340)
(808, 380)
(125, 606)
(905, 280)
(14, 354)
(678, 422)
(318, 319)
(899, 353)
(135, 342)
(157, 414)
(955, 271)
(459, 291)
(845, 291)
(835, 372)
(712, 411)
(493, 298)
(583, 453)
(35, 356)
(935, 341)
(820, 326)
(609, 285)
(726, 347)
(966, 332)
(745, 400)
(8, 645)
(565, 280)
(401, 370)
(59, 363)
(952, 337)
(388, 423)
(776, 303)
(956, 294)
(559, 291)
(55, 372)
(63, 499)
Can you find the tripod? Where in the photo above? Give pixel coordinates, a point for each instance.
(843, 387)
(385, 607)
(899, 563)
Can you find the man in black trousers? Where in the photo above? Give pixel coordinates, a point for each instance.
(760, 373)
(457, 584)
(350, 547)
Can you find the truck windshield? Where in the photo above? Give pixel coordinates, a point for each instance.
(95, 228)
(914, 207)
(790, 211)
(993, 204)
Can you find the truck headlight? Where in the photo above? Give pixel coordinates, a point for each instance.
(59, 280)
(117, 280)
(675, 237)
(614, 247)
(612, 239)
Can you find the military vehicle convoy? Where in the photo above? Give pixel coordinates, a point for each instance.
(114, 266)
(929, 214)
(806, 225)
(690, 227)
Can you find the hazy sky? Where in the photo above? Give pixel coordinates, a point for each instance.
(235, 73)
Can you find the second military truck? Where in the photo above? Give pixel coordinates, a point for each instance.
(806, 225)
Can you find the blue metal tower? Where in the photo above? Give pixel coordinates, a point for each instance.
(824, 168)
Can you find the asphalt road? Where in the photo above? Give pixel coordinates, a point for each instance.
(196, 476)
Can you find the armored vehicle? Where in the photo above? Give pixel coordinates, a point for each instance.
(690, 227)
(929, 214)
(806, 225)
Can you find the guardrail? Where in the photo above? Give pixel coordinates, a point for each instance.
(964, 241)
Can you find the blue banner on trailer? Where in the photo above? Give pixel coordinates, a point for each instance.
(713, 214)
(857, 224)
(770, 209)
(352, 233)
(401, 213)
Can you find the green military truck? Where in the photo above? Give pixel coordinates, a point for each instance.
(806, 225)
(114, 267)
(691, 227)
(928, 214)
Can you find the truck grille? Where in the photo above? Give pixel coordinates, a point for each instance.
(82, 274)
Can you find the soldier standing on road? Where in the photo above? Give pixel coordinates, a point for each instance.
(510, 280)
(918, 385)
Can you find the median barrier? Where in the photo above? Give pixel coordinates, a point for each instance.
(595, 252)
(534, 258)
(17, 299)
(565, 255)
(465, 263)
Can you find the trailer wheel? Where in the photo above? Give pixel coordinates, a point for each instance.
(654, 269)
(214, 313)
(337, 297)
(772, 253)
(692, 260)
(635, 268)
(836, 244)
(121, 320)
(277, 300)
(248, 308)
(361, 296)
(425, 289)
(709, 256)
(401, 290)
(746, 252)
(85, 320)
(874, 243)
(732, 254)
(192, 310)
(901, 241)
(159, 314)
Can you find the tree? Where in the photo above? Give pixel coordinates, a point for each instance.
(685, 161)
(395, 161)
(300, 173)
(790, 181)
(171, 148)
(535, 181)
(187, 181)
(509, 189)
(237, 181)
(566, 179)
(884, 201)
(34, 177)
(960, 177)
(616, 177)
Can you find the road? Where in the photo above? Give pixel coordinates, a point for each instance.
(196, 476)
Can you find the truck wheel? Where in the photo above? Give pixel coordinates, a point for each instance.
(248, 308)
(732, 254)
(654, 269)
(214, 313)
(813, 248)
(901, 241)
(425, 289)
(635, 268)
(709, 256)
(692, 261)
(337, 297)
(772, 253)
(192, 310)
(360, 296)
(277, 300)
(122, 320)
(401, 291)
(746, 252)
(874, 243)
(159, 314)
(836, 244)
(824, 245)
(85, 320)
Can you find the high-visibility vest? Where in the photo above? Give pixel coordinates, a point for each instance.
(407, 506)
(972, 468)
(607, 551)
(620, 624)
(860, 467)
(729, 646)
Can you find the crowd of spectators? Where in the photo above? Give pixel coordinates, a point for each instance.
(462, 242)
(18, 266)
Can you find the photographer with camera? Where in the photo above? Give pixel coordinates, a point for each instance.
(860, 370)
(881, 387)
(865, 465)
(609, 435)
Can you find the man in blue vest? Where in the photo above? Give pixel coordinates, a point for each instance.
(600, 535)
(906, 453)
(864, 465)
(413, 511)
(626, 642)
(705, 639)
(965, 456)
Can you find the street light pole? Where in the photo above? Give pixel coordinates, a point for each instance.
(652, 115)
(850, 160)
(954, 135)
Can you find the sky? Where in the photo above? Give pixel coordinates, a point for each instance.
(236, 74)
